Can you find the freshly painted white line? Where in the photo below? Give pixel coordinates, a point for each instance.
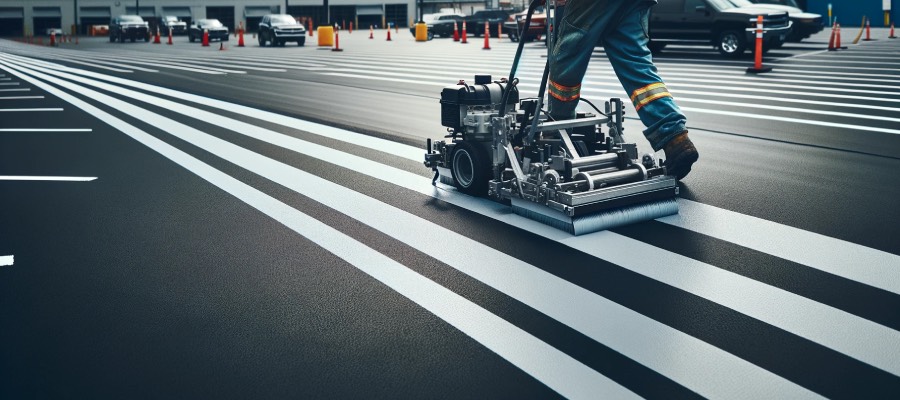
(20, 97)
(29, 109)
(10, 83)
(6, 261)
(556, 369)
(869, 266)
(46, 130)
(16, 90)
(5, 79)
(47, 178)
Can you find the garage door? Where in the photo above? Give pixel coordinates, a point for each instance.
(12, 21)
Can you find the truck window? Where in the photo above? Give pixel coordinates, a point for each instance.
(690, 6)
(669, 6)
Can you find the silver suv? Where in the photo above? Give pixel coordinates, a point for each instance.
(278, 29)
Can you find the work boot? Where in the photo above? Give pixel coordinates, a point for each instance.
(680, 155)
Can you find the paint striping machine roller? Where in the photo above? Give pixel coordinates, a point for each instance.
(568, 174)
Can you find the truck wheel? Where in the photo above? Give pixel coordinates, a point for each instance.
(470, 168)
(112, 39)
(731, 43)
(430, 35)
(190, 38)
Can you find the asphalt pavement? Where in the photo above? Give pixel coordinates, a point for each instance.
(184, 221)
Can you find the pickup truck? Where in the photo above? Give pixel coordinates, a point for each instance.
(494, 17)
(727, 27)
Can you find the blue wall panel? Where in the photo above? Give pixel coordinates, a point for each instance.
(851, 12)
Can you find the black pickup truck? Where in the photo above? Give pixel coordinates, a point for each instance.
(494, 17)
(727, 27)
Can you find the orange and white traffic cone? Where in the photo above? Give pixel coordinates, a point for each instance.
(499, 31)
(757, 65)
(487, 36)
(371, 32)
(389, 34)
(455, 32)
(241, 35)
(156, 38)
(892, 32)
(463, 40)
(310, 30)
(170, 37)
(337, 43)
(53, 38)
(351, 28)
(205, 38)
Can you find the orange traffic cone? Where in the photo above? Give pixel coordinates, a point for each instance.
(351, 27)
(205, 38)
(337, 43)
(499, 31)
(168, 42)
(831, 46)
(156, 38)
(310, 30)
(241, 35)
(868, 32)
(892, 32)
(371, 32)
(487, 36)
(455, 32)
(52, 39)
(757, 65)
(464, 34)
(389, 34)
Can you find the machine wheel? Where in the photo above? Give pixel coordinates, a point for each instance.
(190, 38)
(731, 43)
(470, 168)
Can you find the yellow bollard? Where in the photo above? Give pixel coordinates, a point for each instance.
(421, 32)
(326, 35)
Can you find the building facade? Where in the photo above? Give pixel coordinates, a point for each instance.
(34, 17)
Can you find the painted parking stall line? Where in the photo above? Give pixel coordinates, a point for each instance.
(29, 109)
(20, 97)
(46, 130)
(47, 178)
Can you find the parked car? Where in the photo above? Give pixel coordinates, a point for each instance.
(132, 27)
(804, 24)
(213, 26)
(177, 26)
(278, 29)
(516, 22)
(442, 25)
(475, 22)
(717, 22)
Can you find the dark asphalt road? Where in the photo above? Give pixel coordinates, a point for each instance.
(161, 280)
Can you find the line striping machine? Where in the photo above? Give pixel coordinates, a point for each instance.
(568, 174)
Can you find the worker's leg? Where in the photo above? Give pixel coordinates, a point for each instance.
(579, 31)
(626, 47)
